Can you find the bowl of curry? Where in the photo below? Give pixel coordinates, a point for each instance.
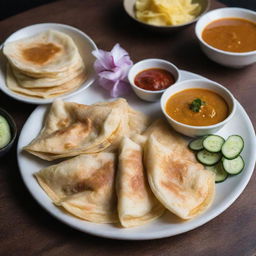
(197, 107)
(228, 36)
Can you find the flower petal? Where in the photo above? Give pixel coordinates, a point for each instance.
(104, 60)
(112, 68)
(107, 84)
(120, 88)
(118, 52)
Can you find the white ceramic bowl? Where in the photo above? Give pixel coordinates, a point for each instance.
(193, 131)
(230, 59)
(148, 95)
(130, 10)
(83, 42)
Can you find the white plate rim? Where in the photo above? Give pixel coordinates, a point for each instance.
(34, 100)
(156, 235)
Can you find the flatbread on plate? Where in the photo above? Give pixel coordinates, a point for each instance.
(83, 186)
(137, 204)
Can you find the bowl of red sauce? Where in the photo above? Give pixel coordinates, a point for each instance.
(149, 78)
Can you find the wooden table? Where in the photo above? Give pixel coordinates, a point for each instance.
(27, 229)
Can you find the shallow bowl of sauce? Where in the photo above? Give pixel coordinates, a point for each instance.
(149, 78)
(197, 107)
(228, 36)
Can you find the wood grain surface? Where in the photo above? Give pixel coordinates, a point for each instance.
(27, 229)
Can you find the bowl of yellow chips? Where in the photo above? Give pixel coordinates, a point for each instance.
(166, 14)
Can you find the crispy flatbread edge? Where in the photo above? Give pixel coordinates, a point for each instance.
(132, 221)
(102, 146)
(75, 211)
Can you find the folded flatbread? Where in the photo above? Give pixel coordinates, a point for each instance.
(137, 204)
(178, 181)
(71, 129)
(83, 186)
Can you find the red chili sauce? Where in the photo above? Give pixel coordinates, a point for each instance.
(154, 79)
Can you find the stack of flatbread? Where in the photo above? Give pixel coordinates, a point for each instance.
(122, 170)
(45, 65)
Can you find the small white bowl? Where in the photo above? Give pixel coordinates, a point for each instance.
(230, 59)
(148, 95)
(190, 130)
(83, 42)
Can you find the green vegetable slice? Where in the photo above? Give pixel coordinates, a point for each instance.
(213, 143)
(232, 147)
(5, 132)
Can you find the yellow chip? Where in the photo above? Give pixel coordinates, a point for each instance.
(166, 12)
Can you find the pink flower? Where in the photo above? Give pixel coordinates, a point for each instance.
(112, 68)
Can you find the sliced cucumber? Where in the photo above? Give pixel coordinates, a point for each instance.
(196, 144)
(5, 132)
(220, 173)
(232, 147)
(208, 158)
(234, 166)
(213, 143)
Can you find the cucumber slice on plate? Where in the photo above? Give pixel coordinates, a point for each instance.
(220, 173)
(208, 158)
(196, 144)
(213, 143)
(232, 147)
(234, 166)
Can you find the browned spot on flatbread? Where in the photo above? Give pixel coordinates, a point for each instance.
(40, 53)
(63, 122)
(137, 181)
(80, 129)
(101, 177)
(175, 170)
(173, 188)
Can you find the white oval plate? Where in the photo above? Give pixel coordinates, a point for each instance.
(167, 225)
(83, 42)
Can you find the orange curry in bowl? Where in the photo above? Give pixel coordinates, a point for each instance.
(197, 107)
(231, 34)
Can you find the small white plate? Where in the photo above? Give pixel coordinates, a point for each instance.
(165, 226)
(85, 46)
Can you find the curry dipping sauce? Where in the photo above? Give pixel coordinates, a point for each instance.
(231, 34)
(197, 107)
(154, 79)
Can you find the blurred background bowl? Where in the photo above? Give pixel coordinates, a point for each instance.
(230, 59)
(13, 129)
(129, 6)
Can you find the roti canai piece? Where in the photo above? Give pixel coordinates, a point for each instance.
(44, 92)
(83, 186)
(47, 53)
(178, 181)
(137, 204)
(71, 129)
(26, 81)
(45, 65)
